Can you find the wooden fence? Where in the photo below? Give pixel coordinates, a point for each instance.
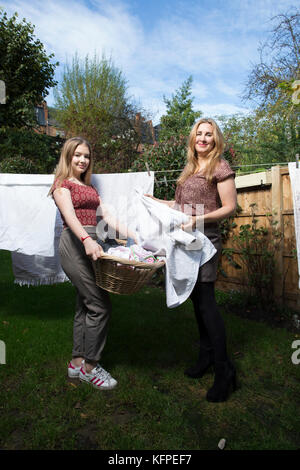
(271, 191)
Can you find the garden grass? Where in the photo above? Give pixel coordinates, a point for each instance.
(154, 407)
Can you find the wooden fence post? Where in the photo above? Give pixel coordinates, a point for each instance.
(277, 203)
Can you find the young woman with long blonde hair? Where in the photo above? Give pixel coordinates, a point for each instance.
(207, 181)
(78, 201)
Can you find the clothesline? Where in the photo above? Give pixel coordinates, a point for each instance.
(166, 180)
(232, 166)
(262, 164)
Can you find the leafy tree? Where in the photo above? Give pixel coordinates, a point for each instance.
(26, 70)
(180, 115)
(92, 101)
(260, 137)
(169, 155)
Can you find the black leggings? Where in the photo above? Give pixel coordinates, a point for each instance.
(210, 322)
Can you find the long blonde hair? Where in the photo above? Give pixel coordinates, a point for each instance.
(64, 169)
(213, 157)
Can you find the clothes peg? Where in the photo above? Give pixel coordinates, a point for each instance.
(165, 180)
(297, 160)
(148, 169)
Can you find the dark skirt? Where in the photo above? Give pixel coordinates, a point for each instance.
(208, 271)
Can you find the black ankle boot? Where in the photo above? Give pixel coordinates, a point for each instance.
(225, 381)
(205, 360)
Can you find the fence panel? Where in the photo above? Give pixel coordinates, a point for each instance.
(272, 194)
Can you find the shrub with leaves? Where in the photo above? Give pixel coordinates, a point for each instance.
(180, 116)
(118, 153)
(170, 156)
(24, 151)
(255, 248)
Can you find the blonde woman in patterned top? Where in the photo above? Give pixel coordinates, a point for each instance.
(207, 181)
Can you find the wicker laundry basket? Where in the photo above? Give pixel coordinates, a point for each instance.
(122, 276)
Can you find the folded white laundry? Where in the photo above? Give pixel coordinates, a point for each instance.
(120, 252)
(159, 230)
(133, 253)
(140, 254)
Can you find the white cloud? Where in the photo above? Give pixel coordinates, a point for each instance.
(226, 89)
(183, 46)
(211, 110)
(66, 27)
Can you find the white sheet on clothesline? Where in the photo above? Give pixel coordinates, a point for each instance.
(295, 185)
(27, 215)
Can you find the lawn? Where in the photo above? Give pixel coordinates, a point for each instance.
(154, 407)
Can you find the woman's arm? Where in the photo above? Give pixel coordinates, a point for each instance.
(228, 197)
(64, 203)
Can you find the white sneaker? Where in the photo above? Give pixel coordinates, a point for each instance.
(73, 372)
(98, 378)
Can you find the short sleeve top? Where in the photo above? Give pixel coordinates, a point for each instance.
(85, 201)
(197, 190)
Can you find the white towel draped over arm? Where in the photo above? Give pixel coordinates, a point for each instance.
(159, 230)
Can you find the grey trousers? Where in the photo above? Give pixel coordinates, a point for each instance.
(93, 306)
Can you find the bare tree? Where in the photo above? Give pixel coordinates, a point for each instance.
(279, 61)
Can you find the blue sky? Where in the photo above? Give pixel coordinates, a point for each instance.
(158, 43)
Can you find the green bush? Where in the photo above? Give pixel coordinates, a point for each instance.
(20, 164)
(256, 249)
(169, 155)
(24, 151)
(115, 154)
